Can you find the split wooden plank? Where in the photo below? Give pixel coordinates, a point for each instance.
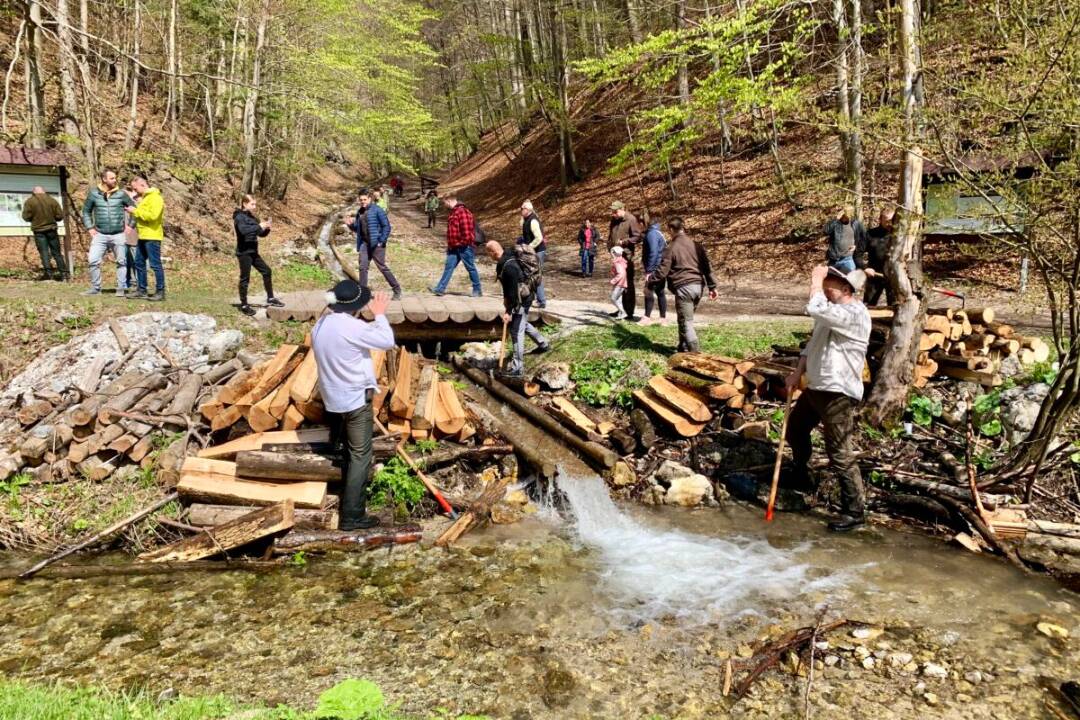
(217, 489)
(983, 378)
(423, 417)
(202, 514)
(259, 417)
(682, 425)
(121, 337)
(312, 412)
(255, 441)
(679, 399)
(293, 419)
(450, 416)
(246, 529)
(306, 380)
(713, 367)
(402, 401)
(227, 418)
(91, 378)
(239, 385)
(279, 368)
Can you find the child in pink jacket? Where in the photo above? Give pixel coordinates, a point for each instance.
(618, 281)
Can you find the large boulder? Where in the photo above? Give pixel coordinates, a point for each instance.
(554, 376)
(480, 355)
(1019, 409)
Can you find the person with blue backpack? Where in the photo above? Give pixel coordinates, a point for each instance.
(372, 228)
(651, 255)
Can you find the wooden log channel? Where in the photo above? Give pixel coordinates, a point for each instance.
(78, 572)
(597, 454)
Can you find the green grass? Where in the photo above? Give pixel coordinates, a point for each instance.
(350, 700)
(654, 343)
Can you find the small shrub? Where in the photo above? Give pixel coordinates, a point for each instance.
(923, 410)
(351, 700)
(396, 485)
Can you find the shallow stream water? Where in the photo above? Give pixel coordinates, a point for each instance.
(613, 613)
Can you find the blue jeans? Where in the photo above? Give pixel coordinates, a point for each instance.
(144, 251)
(588, 261)
(541, 296)
(844, 264)
(454, 256)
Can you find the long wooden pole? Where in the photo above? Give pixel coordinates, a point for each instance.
(502, 345)
(111, 530)
(779, 460)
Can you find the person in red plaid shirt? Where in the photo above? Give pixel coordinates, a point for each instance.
(460, 246)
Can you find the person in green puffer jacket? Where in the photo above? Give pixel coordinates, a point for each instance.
(104, 218)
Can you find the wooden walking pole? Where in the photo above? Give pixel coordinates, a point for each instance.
(779, 459)
(112, 529)
(502, 345)
(446, 506)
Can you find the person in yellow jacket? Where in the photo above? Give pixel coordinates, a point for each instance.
(149, 217)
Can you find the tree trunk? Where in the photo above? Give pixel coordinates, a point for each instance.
(35, 91)
(517, 85)
(633, 20)
(855, 106)
(843, 107)
(684, 77)
(84, 25)
(248, 184)
(721, 111)
(68, 99)
(7, 75)
(171, 104)
(904, 266)
(598, 30)
(133, 98)
(567, 161)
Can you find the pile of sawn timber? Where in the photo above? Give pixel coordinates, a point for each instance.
(960, 344)
(695, 385)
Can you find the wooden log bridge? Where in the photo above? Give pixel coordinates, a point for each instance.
(418, 318)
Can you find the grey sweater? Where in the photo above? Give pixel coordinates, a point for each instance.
(836, 352)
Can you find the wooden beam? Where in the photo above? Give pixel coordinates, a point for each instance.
(216, 489)
(258, 524)
(306, 380)
(680, 424)
(679, 399)
(201, 514)
(255, 441)
(273, 466)
(450, 417)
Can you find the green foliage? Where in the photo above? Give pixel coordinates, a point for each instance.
(298, 559)
(298, 274)
(11, 487)
(1043, 372)
(424, 446)
(1074, 457)
(605, 381)
(731, 44)
(351, 700)
(395, 484)
(923, 410)
(986, 413)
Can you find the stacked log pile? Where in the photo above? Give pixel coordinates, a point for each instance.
(108, 418)
(416, 402)
(966, 345)
(696, 386)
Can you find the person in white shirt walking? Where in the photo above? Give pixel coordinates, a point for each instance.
(342, 344)
(833, 363)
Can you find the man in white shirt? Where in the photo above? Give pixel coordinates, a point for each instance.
(342, 344)
(833, 363)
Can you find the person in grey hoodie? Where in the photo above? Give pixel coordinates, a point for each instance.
(104, 218)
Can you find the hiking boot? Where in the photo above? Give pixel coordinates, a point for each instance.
(247, 310)
(477, 293)
(846, 523)
(136, 295)
(361, 523)
(274, 302)
(91, 291)
(617, 314)
(158, 296)
(540, 305)
(541, 349)
(436, 293)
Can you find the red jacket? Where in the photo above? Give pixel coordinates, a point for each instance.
(460, 228)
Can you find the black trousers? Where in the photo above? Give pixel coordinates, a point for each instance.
(629, 298)
(654, 294)
(875, 286)
(48, 247)
(353, 431)
(253, 261)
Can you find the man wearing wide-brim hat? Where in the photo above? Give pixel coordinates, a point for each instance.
(833, 365)
(342, 344)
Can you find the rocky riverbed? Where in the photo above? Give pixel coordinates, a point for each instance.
(520, 623)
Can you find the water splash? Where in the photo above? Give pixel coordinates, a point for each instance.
(651, 573)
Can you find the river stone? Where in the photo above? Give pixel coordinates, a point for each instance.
(935, 671)
(622, 475)
(1019, 408)
(684, 486)
(1010, 366)
(483, 356)
(223, 345)
(554, 376)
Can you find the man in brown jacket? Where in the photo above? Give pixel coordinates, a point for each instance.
(43, 212)
(686, 268)
(626, 232)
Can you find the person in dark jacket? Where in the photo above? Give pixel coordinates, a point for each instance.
(844, 234)
(372, 228)
(43, 212)
(686, 269)
(652, 252)
(510, 276)
(104, 218)
(588, 238)
(532, 233)
(625, 231)
(872, 257)
(248, 231)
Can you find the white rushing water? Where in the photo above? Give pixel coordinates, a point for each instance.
(650, 573)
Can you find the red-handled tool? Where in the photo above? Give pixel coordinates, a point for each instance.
(446, 507)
